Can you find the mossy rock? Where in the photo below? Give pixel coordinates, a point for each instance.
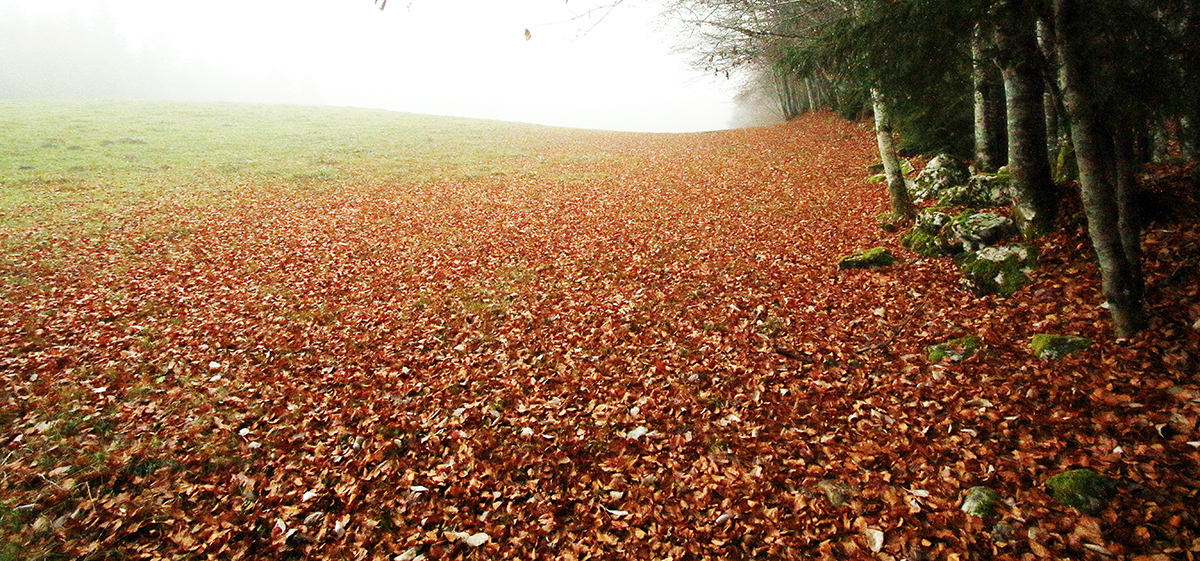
(1082, 489)
(982, 190)
(930, 236)
(956, 350)
(981, 502)
(982, 229)
(1053, 347)
(932, 221)
(941, 173)
(922, 244)
(870, 259)
(926, 245)
(999, 270)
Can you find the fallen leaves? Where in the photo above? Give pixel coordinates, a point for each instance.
(642, 350)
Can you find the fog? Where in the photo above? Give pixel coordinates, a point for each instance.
(465, 58)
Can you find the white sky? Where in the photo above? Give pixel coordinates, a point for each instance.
(445, 57)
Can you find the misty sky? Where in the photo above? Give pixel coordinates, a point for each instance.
(446, 57)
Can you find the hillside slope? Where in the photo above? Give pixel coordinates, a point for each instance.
(581, 345)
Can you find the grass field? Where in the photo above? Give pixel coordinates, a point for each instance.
(63, 158)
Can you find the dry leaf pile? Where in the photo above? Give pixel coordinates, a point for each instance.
(637, 347)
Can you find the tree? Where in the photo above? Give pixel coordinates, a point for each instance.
(1103, 127)
(991, 136)
(898, 198)
(1022, 68)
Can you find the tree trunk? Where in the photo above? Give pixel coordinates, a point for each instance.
(991, 140)
(1107, 195)
(1057, 137)
(1190, 125)
(1024, 87)
(1129, 216)
(901, 203)
(812, 95)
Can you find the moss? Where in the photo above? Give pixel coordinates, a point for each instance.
(981, 502)
(926, 245)
(876, 170)
(887, 222)
(998, 270)
(1082, 489)
(955, 349)
(1053, 347)
(1066, 167)
(869, 259)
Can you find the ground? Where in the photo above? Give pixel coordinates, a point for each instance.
(619, 346)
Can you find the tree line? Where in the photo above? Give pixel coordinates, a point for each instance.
(1097, 87)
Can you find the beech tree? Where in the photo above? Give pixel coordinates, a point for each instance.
(990, 115)
(898, 198)
(1024, 73)
(1110, 90)
(1100, 74)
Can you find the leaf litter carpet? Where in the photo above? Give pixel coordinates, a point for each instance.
(624, 346)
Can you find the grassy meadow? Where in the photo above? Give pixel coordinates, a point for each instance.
(61, 159)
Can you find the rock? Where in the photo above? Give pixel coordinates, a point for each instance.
(939, 174)
(956, 350)
(929, 237)
(932, 221)
(981, 502)
(982, 229)
(982, 190)
(870, 259)
(1082, 489)
(999, 270)
(1053, 347)
(926, 245)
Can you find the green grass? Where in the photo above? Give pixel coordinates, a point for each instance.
(73, 160)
